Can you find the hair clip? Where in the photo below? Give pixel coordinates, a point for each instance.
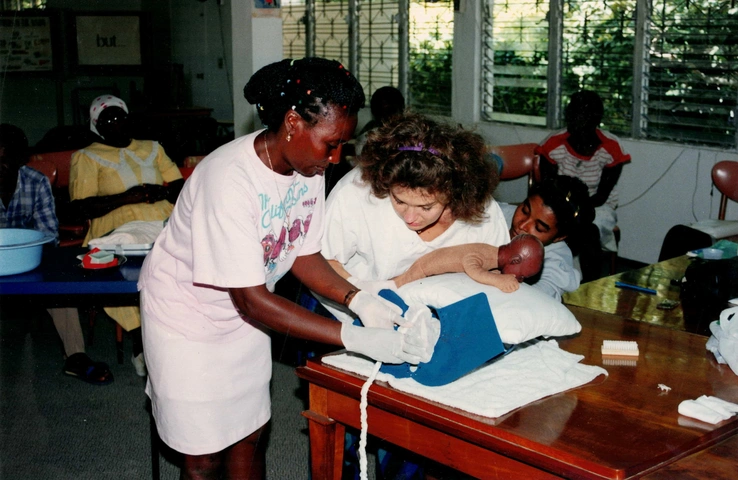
(419, 148)
(568, 200)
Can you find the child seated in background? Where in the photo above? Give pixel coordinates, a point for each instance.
(502, 267)
(596, 157)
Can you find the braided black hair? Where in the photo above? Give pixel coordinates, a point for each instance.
(306, 86)
(568, 197)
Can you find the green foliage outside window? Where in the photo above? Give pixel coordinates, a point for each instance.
(430, 78)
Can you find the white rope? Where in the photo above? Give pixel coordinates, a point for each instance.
(364, 423)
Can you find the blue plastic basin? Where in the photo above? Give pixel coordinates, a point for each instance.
(20, 249)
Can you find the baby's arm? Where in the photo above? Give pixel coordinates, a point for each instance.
(443, 260)
(475, 259)
(477, 265)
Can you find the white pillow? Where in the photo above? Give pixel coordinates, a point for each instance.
(520, 316)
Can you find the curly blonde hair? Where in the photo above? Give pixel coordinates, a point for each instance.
(445, 161)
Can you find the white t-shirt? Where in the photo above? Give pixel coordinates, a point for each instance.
(235, 224)
(373, 243)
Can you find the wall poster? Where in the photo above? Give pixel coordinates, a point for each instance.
(25, 44)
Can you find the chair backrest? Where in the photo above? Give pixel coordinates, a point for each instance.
(725, 178)
(518, 160)
(193, 160)
(46, 167)
(62, 160)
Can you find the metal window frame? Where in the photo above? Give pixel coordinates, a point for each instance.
(641, 68)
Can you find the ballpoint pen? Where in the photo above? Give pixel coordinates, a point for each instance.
(635, 287)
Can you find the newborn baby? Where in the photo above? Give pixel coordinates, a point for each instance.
(513, 263)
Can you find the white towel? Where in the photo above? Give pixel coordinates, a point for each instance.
(533, 371)
(131, 233)
(708, 409)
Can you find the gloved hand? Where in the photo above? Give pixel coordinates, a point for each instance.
(373, 287)
(386, 346)
(375, 312)
(422, 329)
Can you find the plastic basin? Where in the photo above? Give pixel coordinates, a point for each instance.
(20, 249)
(712, 253)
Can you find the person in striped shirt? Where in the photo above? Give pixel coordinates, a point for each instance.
(594, 156)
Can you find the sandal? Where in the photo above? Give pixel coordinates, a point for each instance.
(81, 366)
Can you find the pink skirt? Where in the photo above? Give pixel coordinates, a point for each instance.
(206, 396)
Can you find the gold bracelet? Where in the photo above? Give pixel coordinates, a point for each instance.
(350, 296)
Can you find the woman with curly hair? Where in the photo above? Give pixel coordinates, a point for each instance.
(420, 185)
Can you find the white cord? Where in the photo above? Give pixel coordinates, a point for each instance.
(364, 423)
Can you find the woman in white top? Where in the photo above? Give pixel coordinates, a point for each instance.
(251, 211)
(420, 185)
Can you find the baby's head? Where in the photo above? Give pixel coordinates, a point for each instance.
(522, 257)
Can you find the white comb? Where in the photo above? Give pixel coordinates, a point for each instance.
(619, 347)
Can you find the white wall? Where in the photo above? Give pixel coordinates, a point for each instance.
(664, 185)
(201, 42)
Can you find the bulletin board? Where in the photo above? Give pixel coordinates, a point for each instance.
(26, 43)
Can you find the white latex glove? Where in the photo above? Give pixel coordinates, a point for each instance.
(421, 329)
(374, 311)
(373, 287)
(386, 346)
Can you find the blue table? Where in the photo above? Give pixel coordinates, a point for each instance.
(60, 281)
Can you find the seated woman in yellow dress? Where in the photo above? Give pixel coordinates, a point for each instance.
(117, 180)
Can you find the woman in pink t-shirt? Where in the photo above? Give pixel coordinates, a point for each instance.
(251, 211)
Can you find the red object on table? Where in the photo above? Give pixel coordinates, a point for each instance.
(87, 261)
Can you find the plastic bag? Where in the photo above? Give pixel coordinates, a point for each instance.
(724, 340)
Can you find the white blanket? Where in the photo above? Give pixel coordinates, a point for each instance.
(533, 371)
(137, 232)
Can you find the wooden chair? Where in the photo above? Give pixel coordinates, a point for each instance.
(725, 178)
(70, 234)
(56, 166)
(189, 165)
(46, 167)
(518, 160)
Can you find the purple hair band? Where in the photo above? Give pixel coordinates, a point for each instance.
(420, 148)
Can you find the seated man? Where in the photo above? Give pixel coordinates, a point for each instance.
(502, 267)
(27, 202)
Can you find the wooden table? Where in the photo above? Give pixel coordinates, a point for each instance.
(602, 295)
(621, 426)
